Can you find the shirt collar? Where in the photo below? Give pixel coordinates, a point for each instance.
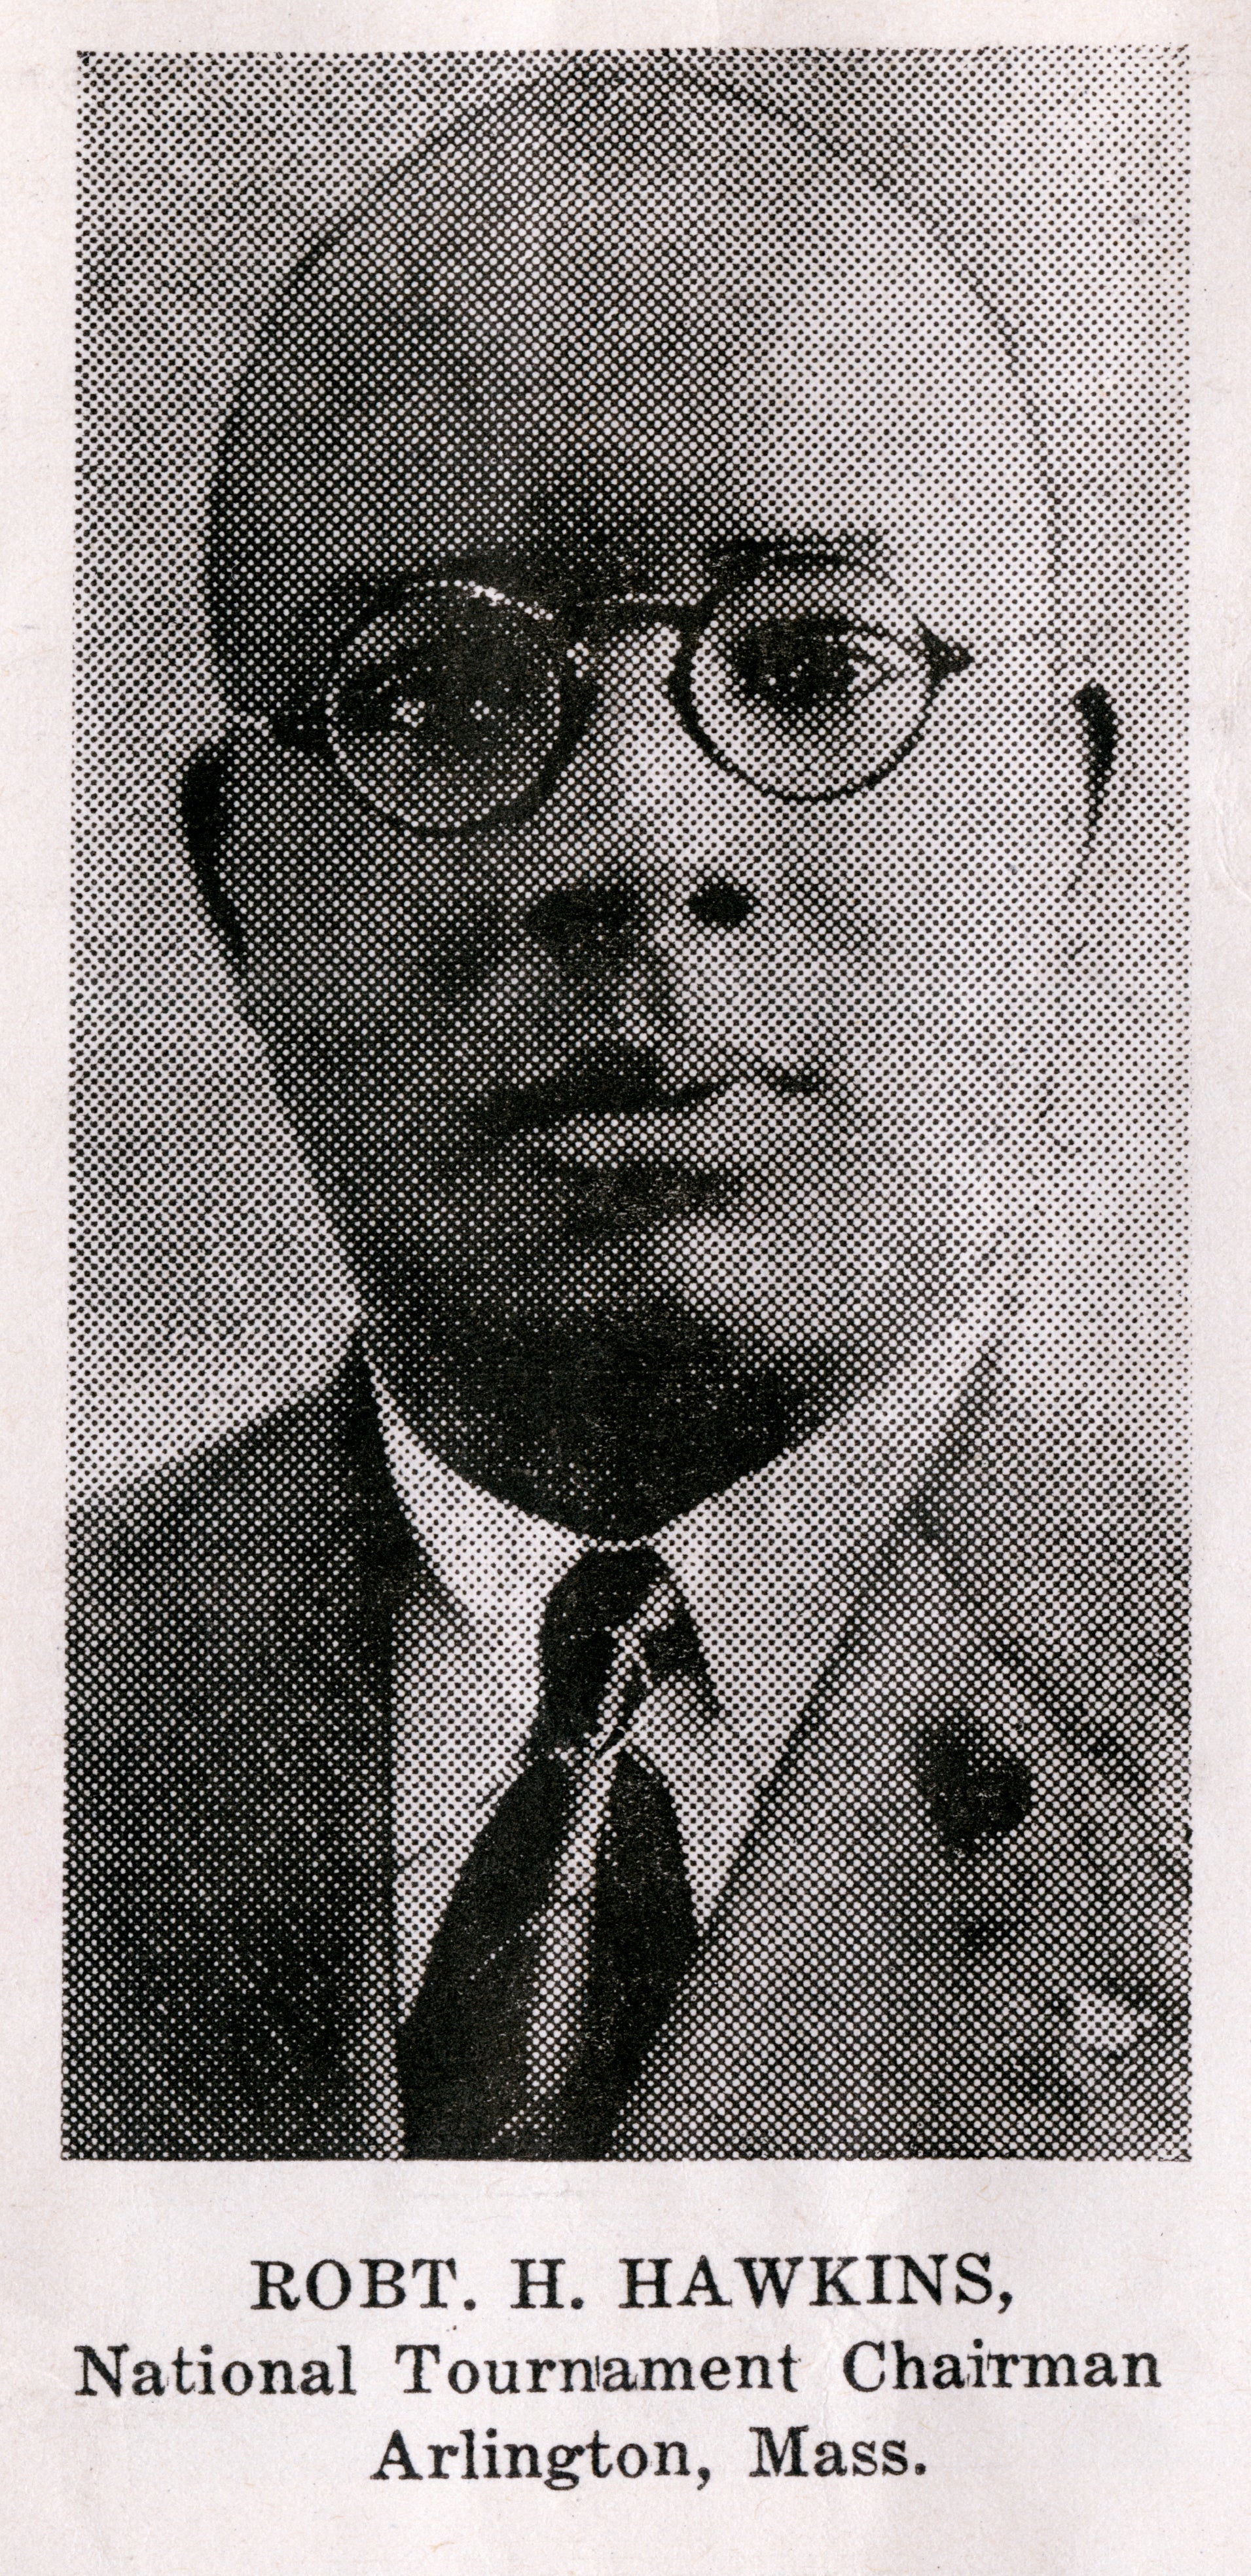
(769, 1569)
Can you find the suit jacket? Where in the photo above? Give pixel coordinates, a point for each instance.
(954, 1930)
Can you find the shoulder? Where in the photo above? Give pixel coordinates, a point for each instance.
(182, 1582)
(199, 1587)
(230, 1498)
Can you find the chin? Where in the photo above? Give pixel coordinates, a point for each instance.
(823, 1293)
(849, 1269)
(713, 1292)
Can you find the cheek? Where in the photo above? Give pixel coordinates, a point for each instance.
(351, 926)
(957, 868)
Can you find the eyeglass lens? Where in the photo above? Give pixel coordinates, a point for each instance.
(798, 685)
(808, 681)
(447, 709)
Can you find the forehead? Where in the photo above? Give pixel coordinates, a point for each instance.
(621, 341)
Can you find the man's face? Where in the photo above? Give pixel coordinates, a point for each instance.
(662, 1055)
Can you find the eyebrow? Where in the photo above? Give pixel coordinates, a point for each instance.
(537, 573)
(866, 546)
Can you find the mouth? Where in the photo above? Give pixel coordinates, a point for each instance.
(598, 1081)
(614, 1105)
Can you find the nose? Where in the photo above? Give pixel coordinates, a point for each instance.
(648, 843)
(719, 904)
(587, 922)
(603, 922)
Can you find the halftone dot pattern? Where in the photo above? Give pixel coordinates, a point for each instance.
(646, 774)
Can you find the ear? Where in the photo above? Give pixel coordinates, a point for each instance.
(206, 819)
(1100, 731)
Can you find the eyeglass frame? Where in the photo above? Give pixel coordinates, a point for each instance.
(569, 627)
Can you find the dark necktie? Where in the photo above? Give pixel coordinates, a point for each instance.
(571, 1922)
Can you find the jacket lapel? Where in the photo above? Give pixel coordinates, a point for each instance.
(291, 1905)
(877, 1980)
(370, 1565)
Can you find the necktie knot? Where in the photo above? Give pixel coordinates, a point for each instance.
(615, 1626)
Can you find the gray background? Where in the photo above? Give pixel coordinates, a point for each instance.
(208, 1287)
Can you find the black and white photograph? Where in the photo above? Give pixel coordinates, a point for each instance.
(628, 1569)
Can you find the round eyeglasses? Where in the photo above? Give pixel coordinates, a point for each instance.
(453, 706)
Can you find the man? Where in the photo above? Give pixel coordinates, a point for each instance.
(663, 1699)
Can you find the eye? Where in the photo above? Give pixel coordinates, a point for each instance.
(811, 665)
(454, 688)
(446, 710)
(383, 695)
(807, 689)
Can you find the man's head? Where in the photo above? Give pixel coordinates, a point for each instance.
(632, 532)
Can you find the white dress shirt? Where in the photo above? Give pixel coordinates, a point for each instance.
(769, 1570)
